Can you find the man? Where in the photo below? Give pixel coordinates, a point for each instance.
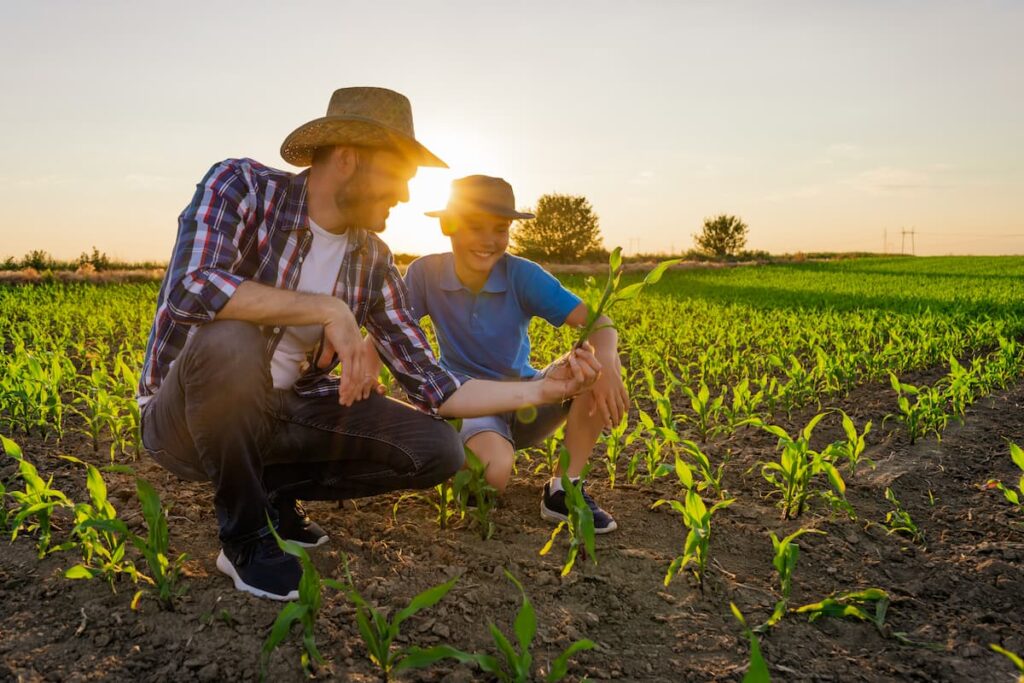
(271, 278)
(481, 301)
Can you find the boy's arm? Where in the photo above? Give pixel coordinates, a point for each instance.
(611, 399)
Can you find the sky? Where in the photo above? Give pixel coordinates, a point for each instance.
(825, 126)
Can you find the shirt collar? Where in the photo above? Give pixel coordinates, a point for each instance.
(497, 281)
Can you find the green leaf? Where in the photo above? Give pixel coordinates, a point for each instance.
(78, 572)
(427, 598)
(525, 626)
(417, 658)
(654, 276)
(615, 259)
(560, 666)
(12, 449)
(1013, 657)
(1017, 454)
(292, 612)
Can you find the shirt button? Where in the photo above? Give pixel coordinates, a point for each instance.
(277, 330)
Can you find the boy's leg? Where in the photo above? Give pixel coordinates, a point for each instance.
(496, 453)
(582, 431)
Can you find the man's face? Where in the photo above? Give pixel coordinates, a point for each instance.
(381, 180)
(478, 241)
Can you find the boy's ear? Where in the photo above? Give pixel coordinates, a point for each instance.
(448, 226)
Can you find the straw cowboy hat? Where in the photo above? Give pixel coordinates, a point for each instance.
(481, 194)
(370, 117)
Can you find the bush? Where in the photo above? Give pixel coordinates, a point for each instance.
(565, 230)
(722, 236)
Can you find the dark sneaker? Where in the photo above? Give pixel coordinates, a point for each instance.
(553, 509)
(262, 569)
(295, 525)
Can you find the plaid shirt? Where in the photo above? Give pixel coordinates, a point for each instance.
(250, 222)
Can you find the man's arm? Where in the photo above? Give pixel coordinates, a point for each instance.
(610, 395)
(265, 305)
(479, 397)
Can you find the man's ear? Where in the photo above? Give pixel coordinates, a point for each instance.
(344, 162)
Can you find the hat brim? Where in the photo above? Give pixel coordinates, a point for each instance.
(301, 143)
(503, 213)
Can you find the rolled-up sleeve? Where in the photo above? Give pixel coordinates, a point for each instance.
(200, 279)
(404, 348)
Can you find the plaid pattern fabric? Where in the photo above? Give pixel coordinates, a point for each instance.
(247, 221)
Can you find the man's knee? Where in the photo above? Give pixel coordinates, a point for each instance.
(231, 346)
(446, 453)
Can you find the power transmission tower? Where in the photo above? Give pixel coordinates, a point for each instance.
(633, 245)
(903, 242)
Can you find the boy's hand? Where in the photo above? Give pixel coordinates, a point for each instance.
(610, 398)
(575, 372)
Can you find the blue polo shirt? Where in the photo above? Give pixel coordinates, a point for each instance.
(484, 335)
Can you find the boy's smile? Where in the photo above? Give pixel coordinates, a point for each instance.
(479, 240)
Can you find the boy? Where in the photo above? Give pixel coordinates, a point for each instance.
(480, 301)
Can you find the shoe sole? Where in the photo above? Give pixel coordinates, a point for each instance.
(552, 516)
(320, 542)
(225, 566)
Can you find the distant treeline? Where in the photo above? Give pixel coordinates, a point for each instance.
(98, 261)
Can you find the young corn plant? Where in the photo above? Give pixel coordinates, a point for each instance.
(898, 520)
(475, 496)
(580, 526)
(379, 633)
(36, 504)
(1014, 497)
(164, 573)
(515, 665)
(707, 411)
(710, 476)
(798, 464)
(927, 414)
(103, 550)
(1014, 658)
(550, 450)
(852, 448)
(611, 295)
(870, 605)
(615, 442)
(786, 555)
(757, 670)
(304, 610)
(697, 518)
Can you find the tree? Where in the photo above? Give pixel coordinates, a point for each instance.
(722, 236)
(565, 230)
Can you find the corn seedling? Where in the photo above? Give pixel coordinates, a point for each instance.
(103, 550)
(379, 633)
(710, 476)
(580, 526)
(898, 520)
(852, 448)
(163, 572)
(550, 450)
(515, 665)
(757, 670)
(707, 411)
(870, 605)
(798, 464)
(597, 306)
(1013, 497)
(475, 496)
(786, 555)
(697, 518)
(304, 610)
(1014, 658)
(616, 441)
(926, 414)
(36, 504)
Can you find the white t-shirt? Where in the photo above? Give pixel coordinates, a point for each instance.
(318, 274)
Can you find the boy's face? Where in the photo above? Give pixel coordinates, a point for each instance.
(478, 240)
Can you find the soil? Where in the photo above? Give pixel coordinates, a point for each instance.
(956, 593)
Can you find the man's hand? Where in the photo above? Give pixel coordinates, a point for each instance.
(342, 337)
(609, 394)
(370, 382)
(573, 373)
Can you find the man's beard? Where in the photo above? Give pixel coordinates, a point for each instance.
(356, 201)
